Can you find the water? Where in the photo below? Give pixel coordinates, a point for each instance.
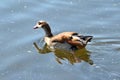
(19, 58)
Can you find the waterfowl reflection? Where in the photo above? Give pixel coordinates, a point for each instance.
(73, 56)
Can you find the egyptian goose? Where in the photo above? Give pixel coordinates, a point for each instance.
(71, 39)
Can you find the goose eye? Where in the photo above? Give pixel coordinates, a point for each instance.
(39, 23)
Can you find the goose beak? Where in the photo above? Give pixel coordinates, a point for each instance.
(35, 27)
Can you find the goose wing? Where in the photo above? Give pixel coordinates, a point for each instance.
(72, 38)
(62, 37)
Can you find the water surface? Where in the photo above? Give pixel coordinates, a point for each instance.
(20, 60)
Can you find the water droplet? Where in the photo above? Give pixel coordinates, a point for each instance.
(71, 2)
(114, 4)
(29, 51)
(12, 11)
(25, 6)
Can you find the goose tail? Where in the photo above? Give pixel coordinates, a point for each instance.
(86, 38)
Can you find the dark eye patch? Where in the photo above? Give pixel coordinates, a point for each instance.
(39, 23)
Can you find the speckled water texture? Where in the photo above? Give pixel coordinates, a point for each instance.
(19, 59)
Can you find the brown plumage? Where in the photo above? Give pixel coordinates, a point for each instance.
(72, 39)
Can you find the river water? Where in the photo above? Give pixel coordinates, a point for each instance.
(19, 59)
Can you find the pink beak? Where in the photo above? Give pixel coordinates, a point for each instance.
(35, 27)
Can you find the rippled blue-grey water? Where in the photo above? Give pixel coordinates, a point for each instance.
(19, 60)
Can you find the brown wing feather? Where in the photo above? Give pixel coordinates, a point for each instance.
(62, 37)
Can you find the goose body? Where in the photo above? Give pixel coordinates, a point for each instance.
(64, 39)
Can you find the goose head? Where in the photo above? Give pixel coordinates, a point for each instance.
(44, 25)
(41, 24)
